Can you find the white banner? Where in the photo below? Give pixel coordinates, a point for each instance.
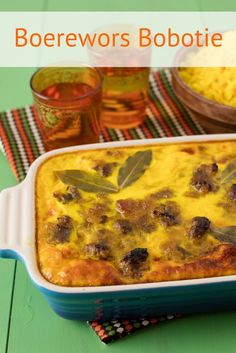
(156, 39)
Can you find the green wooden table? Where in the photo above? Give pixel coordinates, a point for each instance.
(27, 324)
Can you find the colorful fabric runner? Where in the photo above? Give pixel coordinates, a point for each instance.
(21, 141)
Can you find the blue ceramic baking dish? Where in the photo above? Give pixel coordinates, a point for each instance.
(17, 241)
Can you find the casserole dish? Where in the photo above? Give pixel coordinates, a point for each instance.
(17, 240)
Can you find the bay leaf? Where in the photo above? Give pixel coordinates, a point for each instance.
(229, 173)
(133, 168)
(86, 181)
(225, 234)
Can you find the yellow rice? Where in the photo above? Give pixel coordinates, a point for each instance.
(215, 83)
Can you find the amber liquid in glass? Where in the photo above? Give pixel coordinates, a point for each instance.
(71, 115)
(124, 96)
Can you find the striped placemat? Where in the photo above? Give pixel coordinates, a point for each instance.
(21, 141)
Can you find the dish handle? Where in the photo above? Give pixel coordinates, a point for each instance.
(15, 222)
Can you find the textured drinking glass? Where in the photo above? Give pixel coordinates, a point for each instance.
(125, 72)
(68, 101)
(124, 96)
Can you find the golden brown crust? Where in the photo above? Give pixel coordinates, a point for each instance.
(65, 268)
(220, 261)
(80, 272)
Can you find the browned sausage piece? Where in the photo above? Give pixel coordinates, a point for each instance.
(232, 193)
(97, 250)
(123, 226)
(134, 262)
(72, 194)
(167, 213)
(202, 180)
(97, 214)
(60, 231)
(199, 227)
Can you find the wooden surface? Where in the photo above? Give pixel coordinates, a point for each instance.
(27, 324)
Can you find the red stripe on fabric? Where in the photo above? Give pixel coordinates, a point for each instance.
(23, 136)
(160, 119)
(173, 106)
(146, 131)
(126, 134)
(8, 149)
(106, 135)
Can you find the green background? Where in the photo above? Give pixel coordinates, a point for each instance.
(27, 324)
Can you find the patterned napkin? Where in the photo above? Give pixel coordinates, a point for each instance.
(21, 142)
(115, 329)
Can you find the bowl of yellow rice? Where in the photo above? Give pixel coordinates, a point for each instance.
(209, 93)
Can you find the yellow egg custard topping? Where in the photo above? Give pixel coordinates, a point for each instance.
(137, 214)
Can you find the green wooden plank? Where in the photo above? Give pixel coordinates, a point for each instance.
(14, 82)
(14, 92)
(121, 5)
(6, 176)
(6, 266)
(36, 329)
(140, 5)
(14, 87)
(23, 5)
(6, 281)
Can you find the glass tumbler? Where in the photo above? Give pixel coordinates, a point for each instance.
(68, 101)
(125, 72)
(124, 99)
